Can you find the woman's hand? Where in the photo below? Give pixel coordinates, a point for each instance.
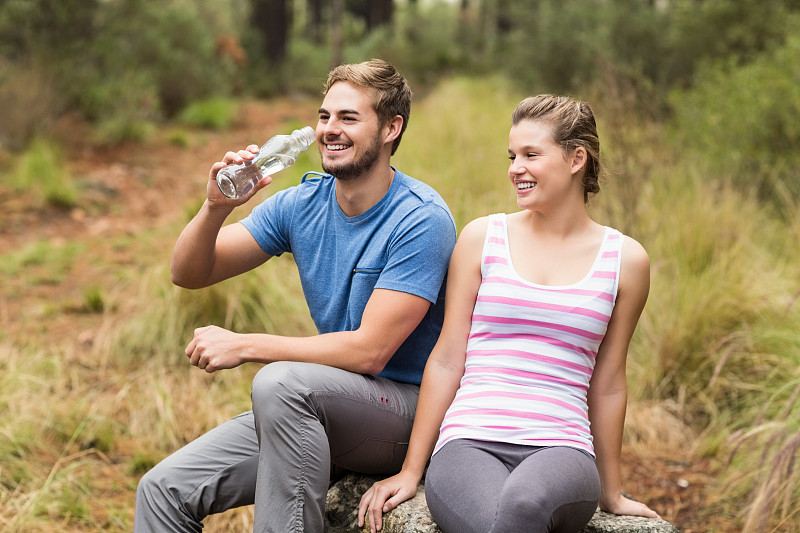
(625, 506)
(383, 496)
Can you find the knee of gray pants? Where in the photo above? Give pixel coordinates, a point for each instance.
(280, 396)
(363, 420)
(279, 380)
(158, 505)
(153, 490)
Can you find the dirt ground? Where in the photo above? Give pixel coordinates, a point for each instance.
(137, 187)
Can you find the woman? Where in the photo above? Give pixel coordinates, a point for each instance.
(541, 306)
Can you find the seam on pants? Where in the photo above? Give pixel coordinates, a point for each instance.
(371, 401)
(301, 492)
(398, 409)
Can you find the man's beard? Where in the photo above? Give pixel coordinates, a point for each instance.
(359, 165)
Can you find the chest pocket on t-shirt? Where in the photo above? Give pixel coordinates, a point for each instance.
(361, 287)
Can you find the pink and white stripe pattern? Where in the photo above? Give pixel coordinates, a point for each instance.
(531, 351)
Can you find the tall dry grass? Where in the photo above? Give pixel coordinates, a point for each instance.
(718, 340)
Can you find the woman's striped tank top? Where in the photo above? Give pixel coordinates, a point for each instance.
(531, 351)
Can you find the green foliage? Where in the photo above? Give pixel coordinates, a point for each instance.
(38, 263)
(555, 46)
(45, 27)
(70, 504)
(552, 45)
(715, 294)
(41, 174)
(307, 68)
(124, 107)
(124, 64)
(214, 113)
(698, 33)
(425, 44)
(177, 48)
(179, 138)
(101, 435)
(717, 340)
(93, 300)
(747, 120)
(173, 42)
(57, 257)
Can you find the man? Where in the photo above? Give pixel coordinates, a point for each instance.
(371, 246)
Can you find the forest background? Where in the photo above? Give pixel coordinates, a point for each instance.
(112, 111)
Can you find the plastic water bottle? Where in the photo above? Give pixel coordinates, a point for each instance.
(277, 153)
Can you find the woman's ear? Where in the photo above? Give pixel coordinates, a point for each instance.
(579, 159)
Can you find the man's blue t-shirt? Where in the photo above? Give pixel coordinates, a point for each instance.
(402, 243)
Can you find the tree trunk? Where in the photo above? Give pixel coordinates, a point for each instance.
(413, 15)
(273, 19)
(380, 13)
(315, 21)
(337, 13)
(502, 19)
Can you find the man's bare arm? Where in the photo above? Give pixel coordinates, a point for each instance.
(388, 319)
(207, 252)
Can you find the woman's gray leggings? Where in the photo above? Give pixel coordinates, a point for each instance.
(478, 487)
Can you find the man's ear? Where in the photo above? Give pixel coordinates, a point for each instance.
(579, 159)
(392, 129)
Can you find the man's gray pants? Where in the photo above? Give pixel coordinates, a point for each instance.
(306, 420)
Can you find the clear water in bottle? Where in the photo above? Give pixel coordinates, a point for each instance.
(236, 181)
(277, 153)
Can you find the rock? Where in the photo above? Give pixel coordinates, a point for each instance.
(341, 515)
(412, 516)
(603, 522)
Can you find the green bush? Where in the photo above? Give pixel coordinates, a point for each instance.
(123, 107)
(746, 119)
(170, 47)
(213, 113)
(425, 43)
(40, 173)
(551, 46)
(124, 65)
(307, 66)
(555, 46)
(699, 33)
